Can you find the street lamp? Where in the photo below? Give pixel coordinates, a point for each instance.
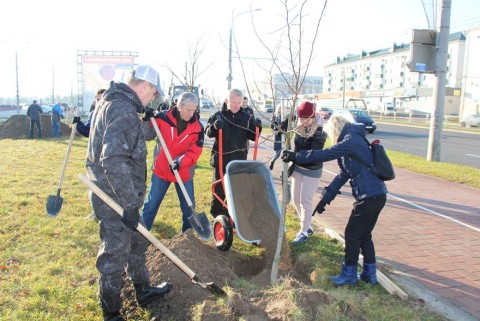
(229, 77)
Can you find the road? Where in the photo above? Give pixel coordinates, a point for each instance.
(456, 147)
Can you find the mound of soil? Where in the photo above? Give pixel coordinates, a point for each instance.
(18, 127)
(188, 301)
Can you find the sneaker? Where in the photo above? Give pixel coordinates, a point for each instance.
(310, 231)
(300, 239)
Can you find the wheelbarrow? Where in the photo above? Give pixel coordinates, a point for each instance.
(249, 190)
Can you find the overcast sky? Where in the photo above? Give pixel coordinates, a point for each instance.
(47, 34)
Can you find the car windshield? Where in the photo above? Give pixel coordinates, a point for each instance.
(359, 113)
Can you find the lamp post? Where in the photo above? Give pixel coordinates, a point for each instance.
(229, 77)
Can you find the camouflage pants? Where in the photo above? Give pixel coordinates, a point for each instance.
(122, 249)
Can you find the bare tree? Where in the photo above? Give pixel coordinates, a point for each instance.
(291, 56)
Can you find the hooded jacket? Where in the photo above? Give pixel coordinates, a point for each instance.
(351, 141)
(185, 148)
(116, 153)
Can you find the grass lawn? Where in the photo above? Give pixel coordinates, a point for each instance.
(47, 265)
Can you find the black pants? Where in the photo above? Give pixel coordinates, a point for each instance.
(358, 232)
(217, 208)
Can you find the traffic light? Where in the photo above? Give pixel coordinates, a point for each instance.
(423, 51)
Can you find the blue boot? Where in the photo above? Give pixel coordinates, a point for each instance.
(347, 276)
(369, 273)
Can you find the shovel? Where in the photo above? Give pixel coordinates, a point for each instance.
(54, 202)
(199, 221)
(212, 287)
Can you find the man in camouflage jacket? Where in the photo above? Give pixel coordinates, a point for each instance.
(116, 162)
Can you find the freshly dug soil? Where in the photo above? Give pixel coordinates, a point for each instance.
(18, 127)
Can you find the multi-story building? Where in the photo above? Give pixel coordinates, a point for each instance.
(382, 76)
(279, 87)
(470, 99)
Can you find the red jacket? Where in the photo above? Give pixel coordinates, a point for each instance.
(185, 148)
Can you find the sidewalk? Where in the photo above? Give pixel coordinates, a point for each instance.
(428, 235)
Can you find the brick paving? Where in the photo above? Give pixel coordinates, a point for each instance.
(429, 232)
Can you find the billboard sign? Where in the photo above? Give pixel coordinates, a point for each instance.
(99, 69)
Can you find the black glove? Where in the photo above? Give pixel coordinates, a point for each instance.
(75, 120)
(218, 124)
(148, 114)
(130, 218)
(320, 208)
(258, 122)
(288, 156)
(174, 167)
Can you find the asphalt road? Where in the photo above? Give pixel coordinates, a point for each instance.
(456, 147)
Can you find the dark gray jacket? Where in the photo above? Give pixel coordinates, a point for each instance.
(34, 112)
(116, 155)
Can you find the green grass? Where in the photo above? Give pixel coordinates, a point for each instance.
(47, 265)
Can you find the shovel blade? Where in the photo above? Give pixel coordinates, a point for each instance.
(201, 225)
(54, 204)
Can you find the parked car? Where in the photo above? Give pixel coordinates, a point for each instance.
(358, 116)
(206, 103)
(325, 112)
(267, 108)
(46, 109)
(472, 120)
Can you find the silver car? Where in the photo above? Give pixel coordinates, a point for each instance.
(472, 120)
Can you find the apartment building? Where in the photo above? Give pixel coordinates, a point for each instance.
(382, 77)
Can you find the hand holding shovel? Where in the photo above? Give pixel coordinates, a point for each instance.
(199, 221)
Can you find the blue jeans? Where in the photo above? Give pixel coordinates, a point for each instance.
(158, 189)
(56, 128)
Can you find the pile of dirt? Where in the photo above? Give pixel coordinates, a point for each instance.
(188, 301)
(18, 127)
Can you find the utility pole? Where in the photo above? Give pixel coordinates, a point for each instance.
(436, 123)
(18, 91)
(53, 85)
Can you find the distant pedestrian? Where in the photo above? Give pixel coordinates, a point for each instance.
(84, 128)
(57, 114)
(246, 107)
(33, 112)
(277, 125)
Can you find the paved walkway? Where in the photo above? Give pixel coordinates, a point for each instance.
(428, 234)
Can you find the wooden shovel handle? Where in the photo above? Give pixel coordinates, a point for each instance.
(117, 208)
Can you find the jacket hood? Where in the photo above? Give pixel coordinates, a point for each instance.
(118, 89)
(351, 128)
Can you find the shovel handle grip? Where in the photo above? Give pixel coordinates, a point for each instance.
(149, 236)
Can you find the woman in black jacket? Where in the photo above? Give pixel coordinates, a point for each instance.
(309, 135)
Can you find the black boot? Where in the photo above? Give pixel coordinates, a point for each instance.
(146, 293)
(112, 316)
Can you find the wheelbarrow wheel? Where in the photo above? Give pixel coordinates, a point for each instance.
(222, 232)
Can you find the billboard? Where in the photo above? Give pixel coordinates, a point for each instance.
(98, 69)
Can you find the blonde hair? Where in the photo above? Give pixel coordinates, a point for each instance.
(334, 127)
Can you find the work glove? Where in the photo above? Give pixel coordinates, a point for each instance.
(148, 114)
(174, 167)
(320, 208)
(131, 218)
(75, 120)
(218, 124)
(288, 156)
(258, 122)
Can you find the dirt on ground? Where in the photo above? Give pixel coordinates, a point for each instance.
(259, 301)
(18, 127)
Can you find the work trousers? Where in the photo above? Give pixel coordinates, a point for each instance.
(122, 249)
(358, 232)
(34, 123)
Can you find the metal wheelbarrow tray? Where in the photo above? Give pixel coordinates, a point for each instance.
(252, 202)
